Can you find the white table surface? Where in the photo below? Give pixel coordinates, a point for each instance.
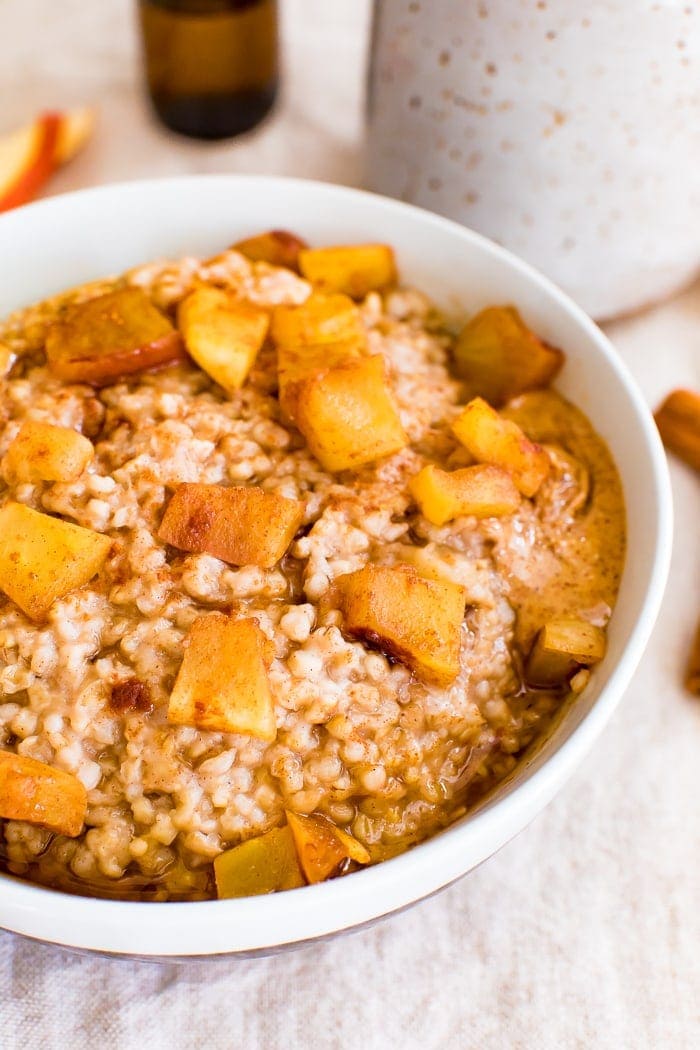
(584, 931)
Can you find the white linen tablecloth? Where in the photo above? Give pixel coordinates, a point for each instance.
(584, 931)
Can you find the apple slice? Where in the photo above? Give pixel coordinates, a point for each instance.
(266, 864)
(27, 159)
(222, 685)
(108, 338)
(323, 848)
(276, 247)
(76, 127)
(35, 792)
(30, 155)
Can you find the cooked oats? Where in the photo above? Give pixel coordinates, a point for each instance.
(359, 738)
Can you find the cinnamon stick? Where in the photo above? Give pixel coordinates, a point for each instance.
(692, 675)
(678, 420)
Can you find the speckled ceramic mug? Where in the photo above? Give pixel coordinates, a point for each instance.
(568, 132)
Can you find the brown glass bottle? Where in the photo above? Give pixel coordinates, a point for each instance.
(211, 65)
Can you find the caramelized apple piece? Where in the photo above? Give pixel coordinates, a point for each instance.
(266, 864)
(295, 364)
(7, 359)
(678, 420)
(319, 319)
(415, 620)
(222, 334)
(483, 491)
(561, 647)
(492, 439)
(354, 269)
(44, 452)
(42, 558)
(500, 357)
(243, 525)
(348, 416)
(321, 333)
(277, 247)
(322, 847)
(39, 794)
(110, 337)
(222, 683)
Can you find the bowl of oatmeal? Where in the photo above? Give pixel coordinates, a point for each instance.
(326, 555)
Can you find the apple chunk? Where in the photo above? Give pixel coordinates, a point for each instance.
(7, 360)
(324, 331)
(266, 864)
(322, 847)
(348, 416)
(110, 337)
(500, 357)
(354, 269)
(44, 452)
(39, 794)
(492, 439)
(222, 334)
(562, 646)
(413, 619)
(319, 319)
(42, 558)
(222, 684)
(276, 247)
(482, 491)
(298, 363)
(242, 525)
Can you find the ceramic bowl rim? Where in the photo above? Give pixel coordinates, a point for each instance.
(267, 924)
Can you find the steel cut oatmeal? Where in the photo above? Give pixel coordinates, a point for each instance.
(291, 573)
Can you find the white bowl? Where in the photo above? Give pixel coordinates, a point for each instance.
(67, 240)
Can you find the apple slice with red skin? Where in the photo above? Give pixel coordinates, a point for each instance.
(30, 155)
(110, 337)
(77, 126)
(27, 159)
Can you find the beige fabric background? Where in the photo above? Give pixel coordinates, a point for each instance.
(584, 931)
